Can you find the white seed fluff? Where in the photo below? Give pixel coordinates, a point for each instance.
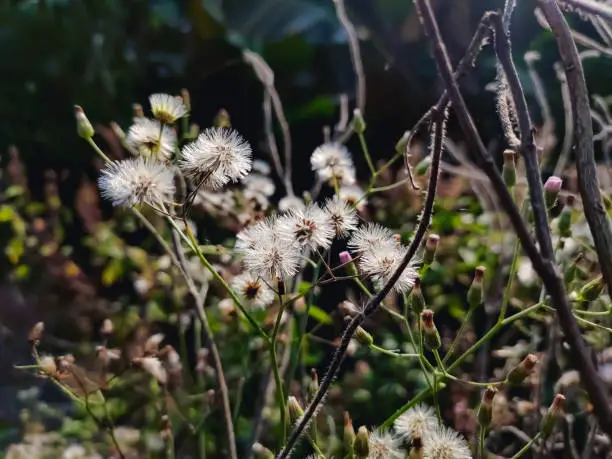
(218, 156)
(310, 228)
(372, 237)
(444, 443)
(136, 181)
(385, 445)
(380, 264)
(150, 139)
(342, 215)
(253, 291)
(415, 422)
(259, 183)
(333, 160)
(166, 108)
(291, 202)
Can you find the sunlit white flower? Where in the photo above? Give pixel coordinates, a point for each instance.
(342, 215)
(252, 290)
(218, 156)
(136, 181)
(415, 422)
(260, 184)
(267, 252)
(444, 443)
(149, 138)
(385, 445)
(291, 202)
(333, 161)
(372, 237)
(310, 228)
(380, 264)
(166, 108)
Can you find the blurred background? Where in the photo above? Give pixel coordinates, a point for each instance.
(108, 55)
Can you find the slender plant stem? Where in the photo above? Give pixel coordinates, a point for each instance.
(527, 447)
(366, 153)
(275, 368)
(464, 323)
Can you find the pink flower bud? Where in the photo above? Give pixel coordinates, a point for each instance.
(345, 257)
(553, 184)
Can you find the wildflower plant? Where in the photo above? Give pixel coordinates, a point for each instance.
(253, 297)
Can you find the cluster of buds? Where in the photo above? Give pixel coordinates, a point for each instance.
(431, 336)
(518, 374)
(475, 294)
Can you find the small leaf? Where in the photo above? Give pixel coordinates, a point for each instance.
(319, 315)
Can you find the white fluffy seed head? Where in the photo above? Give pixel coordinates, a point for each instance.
(342, 215)
(166, 108)
(217, 157)
(252, 290)
(372, 237)
(267, 253)
(309, 229)
(333, 161)
(444, 443)
(415, 422)
(291, 202)
(384, 445)
(380, 265)
(149, 138)
(136, 181)
(258, 183)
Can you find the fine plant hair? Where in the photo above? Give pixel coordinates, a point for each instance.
(542, 262)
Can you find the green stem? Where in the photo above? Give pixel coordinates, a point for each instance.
(391, 353)
(464, 324)
(366, 153)
(97, 149)
(481, 442)
(508, 289)
(526, 448)
(275, 369)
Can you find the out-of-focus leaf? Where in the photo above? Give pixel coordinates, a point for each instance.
(319, 315)
(322, 106)
(113, 271)
(14, 250)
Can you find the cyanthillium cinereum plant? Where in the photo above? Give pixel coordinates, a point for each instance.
(255, 292)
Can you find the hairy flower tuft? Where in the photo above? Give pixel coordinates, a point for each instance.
(385, 445)
(310, 228)
(149, 138)
(382, 263)
(444, 443)
(415, 422)
(136, 181)
(372, 237)
(166, 108)
(252, 290)
(333, 161)
(217, 157)
(342, 216)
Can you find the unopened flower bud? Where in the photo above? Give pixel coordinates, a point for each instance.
(552, 187)
(194, 130)
(36, 332)
(518, 374)
(349, 435)
(402, 143)
(430, 331)
(47, 365)
(361, 447)
(475, 294)
(552, 416)
(593, 290)
(261, 452)
(422, 167)
(346, 260)
(363, 337)
(84, 127)
(294, 410)
(137, 111)
(222, 119)
(107, 328)
(509, 168)
(485, 411)
(416, 300)
(186, 98)
(416, 448)
(313, 387)
(359, 124)
(565, 218)
(431, 245)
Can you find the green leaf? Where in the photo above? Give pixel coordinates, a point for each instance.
(319, 315)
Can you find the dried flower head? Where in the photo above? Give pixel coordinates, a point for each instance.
(385, 445)
(166, 108)
(444, 443)
(310, 228)
(218, 156)
(151, 139)
(342, 216)
(333, 161)
(136, 181)
(415, 422)
(252, 290)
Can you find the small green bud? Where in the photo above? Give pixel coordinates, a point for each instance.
(431, 337)
(416, 300)
(222, 119)
(431, 245)
(84, 127)
(552, 416)
(359, 124)
(261, 452)
(313, 387)
(423, 166)
(186, 98)
(485, 411)
(362, 443)
(565, 218)
(402, 144)
(137, 111)
(363, 337)
(518, 374)
(475, 294)
(592, 290)
(349, 435)
(294, 410)
(509, 168)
